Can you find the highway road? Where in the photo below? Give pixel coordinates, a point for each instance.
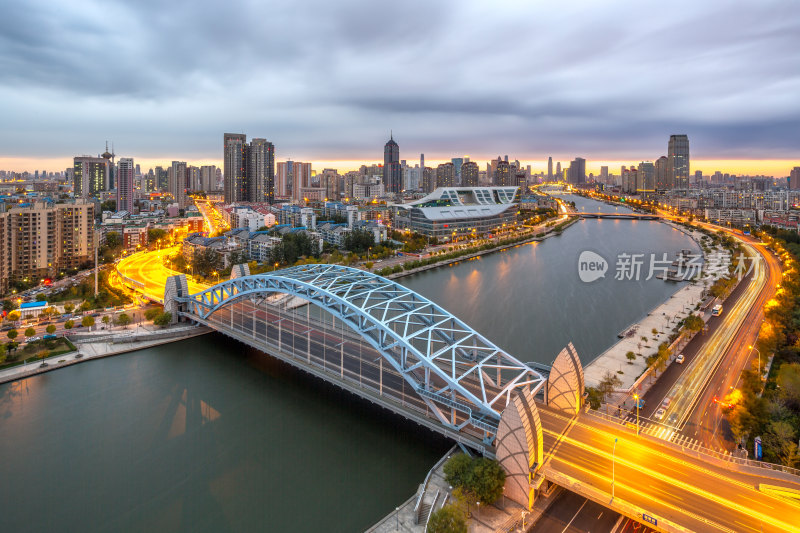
(664, 483)
(571, 513)
(148, 269)
(706, 422)
(725, 350)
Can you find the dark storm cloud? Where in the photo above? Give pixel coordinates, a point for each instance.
(327, 80)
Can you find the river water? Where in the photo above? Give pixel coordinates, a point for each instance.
(207, 435)
(530, 301)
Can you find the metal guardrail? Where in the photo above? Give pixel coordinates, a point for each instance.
(702, 452)
(424, 484)
(432, 509)
(478, 422)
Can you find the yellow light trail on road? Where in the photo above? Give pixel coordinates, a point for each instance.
(148, 269)
(643, 468)
(689, 385)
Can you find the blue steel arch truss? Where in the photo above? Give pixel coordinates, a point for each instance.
(463, 377)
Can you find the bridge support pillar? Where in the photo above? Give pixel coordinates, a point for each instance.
(565, 387)
(175, 287)
(520, 448)
(240, 271)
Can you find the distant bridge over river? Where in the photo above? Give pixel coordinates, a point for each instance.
(624, 216)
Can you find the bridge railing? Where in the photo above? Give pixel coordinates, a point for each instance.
(724, 459)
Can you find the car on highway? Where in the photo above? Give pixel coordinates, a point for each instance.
(666, 402)
(660, 413)
(680, 359)
(673, 419)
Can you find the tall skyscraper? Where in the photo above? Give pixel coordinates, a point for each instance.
(428, 179)
(502, 174)
(457, 163)
(392, 174)
(177, 182)
(446, 175)
(550, 169)
(422, 161)
(162, 179)
(90, 176)
(261, 171)
(235, 161)
(558, 171)
(150, 181)
(125, 189)
(469, 174)
(678, 160)
(577, 171)
(111, 177)
(604, 174)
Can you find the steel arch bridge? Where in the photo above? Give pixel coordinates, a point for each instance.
(463, 377)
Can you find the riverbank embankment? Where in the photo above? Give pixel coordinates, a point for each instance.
(102, 344)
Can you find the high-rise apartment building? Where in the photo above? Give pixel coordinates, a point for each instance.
(125, 190)
(502, 173)
(234, 164)
(678, 160)
(42, 240)
(162, 179)
(428, 179)
(604, 174)
(149, 182)
(260, 171)
(177, 182)
(663, 180)
(249, 169)
(392, 174)
(469, 174)
(645, 177)
(90, 176)
(446, 175)
(794, 178)
(208, 177)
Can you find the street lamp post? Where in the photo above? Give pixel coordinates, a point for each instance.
(759, 360)
(636, 397)
(613, 462)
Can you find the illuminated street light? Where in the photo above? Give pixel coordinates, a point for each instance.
(613, 464)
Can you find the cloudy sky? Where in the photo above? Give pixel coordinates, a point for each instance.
(326, 81)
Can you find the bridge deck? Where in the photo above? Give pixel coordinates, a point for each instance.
(337, 354)
(652, 477)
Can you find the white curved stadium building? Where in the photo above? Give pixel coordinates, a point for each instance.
(451, 212)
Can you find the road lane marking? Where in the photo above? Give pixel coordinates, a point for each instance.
(575, 516)
(703, 493)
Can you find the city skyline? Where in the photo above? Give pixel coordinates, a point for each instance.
(776, 168)
(585, 81)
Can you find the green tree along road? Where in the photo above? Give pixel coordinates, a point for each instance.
(769, 407)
